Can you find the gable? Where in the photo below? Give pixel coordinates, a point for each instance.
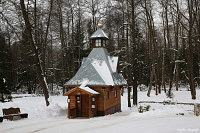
(78, 91)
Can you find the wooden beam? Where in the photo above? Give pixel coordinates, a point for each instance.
(69, 110)
(78, 90)
(89, 107)
(165, 102)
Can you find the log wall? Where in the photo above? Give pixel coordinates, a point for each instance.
(107, 102)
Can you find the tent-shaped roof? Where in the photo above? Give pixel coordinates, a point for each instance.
(99, 68)
(99, 34)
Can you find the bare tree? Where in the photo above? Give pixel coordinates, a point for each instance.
(190, 49)
(40, 72)
(151, 45)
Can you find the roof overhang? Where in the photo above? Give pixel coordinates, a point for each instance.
(99, 33)
(81, 91)
(95, 38)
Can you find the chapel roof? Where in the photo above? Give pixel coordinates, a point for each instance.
(100, 69)
(99, 33)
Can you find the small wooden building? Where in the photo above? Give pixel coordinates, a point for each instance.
(95, 88)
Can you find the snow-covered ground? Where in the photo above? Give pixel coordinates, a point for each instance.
(160, 119)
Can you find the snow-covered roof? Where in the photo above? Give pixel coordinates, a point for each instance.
(84, 88)
(99, 34)
(89, 90)
(113, 60)
(99, 68)
(102, 69)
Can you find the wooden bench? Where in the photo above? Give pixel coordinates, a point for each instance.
(13, 114)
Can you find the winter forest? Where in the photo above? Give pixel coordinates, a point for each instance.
(43, 42)
(142, 74)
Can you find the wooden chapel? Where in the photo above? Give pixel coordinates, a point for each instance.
(95, 88)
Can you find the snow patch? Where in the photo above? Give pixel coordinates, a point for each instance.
(113, 63)
(36, 107)
(84, 83)
(4, 80)
(56, 110)
(54, 117)
(103, 70)
(89, 90)
(85, 88)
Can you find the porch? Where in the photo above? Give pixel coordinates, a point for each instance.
(82, 103)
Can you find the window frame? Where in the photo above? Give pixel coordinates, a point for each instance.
(98, 43)
(115, 93)
(108, 95)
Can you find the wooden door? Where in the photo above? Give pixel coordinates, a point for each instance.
(84, 105)
(72, 107)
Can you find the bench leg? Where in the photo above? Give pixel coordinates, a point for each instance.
(24, 115)
(1, 119)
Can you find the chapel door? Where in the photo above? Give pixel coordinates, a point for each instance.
(84, 105)
(72, 107)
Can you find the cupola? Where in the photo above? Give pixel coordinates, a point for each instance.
(99, 38)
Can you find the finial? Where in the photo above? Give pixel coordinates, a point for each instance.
(100, 26)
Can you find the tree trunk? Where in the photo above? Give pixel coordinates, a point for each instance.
(150, 84)
(135, 56)
(40, 73)
(169, 42)
(152, 46)
(62, 42)
(46, 35)
(163, 71)
(177, 43)
(129, 74)
(189, 50)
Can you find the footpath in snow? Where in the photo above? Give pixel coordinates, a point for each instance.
(160, 119)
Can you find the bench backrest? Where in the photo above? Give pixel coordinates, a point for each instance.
(11, 111)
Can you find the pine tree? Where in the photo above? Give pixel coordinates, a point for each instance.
(5, 69)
